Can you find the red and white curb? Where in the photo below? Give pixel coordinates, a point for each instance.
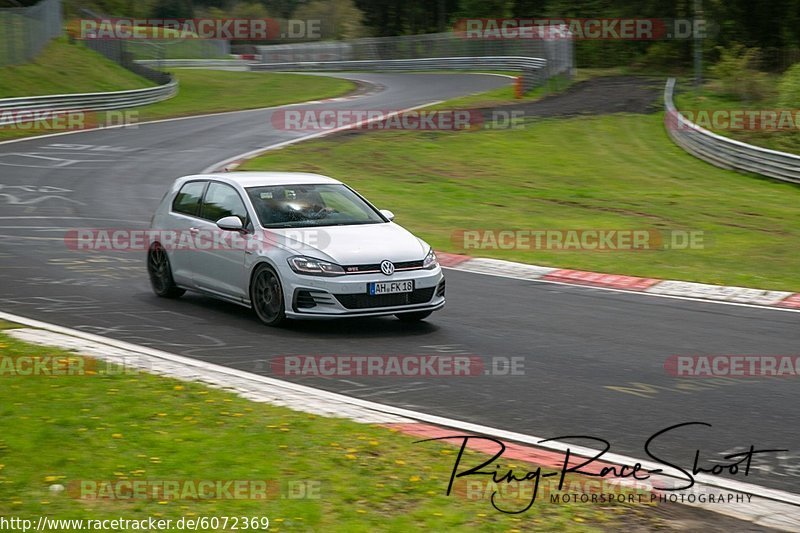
(759, 505)
(782, 300)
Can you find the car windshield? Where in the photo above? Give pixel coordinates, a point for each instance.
(297, 206)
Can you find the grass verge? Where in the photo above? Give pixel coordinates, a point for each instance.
(213, 91)
(603, 172)
(65, 68)
(113, 427)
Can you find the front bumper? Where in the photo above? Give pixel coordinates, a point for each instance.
(347, 296)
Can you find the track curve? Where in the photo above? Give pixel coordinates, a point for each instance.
(593, 359)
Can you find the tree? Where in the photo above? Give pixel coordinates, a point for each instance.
(173, 9)
(341, 19)
(486, 8)
(248, 10)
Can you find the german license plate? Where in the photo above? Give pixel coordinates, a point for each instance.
(390, 287)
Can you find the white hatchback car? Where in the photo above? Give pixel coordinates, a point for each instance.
(289, 245)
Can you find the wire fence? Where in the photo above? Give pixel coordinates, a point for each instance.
(417, 47)
(179, 48)
(24, 31)
(117, 51)
(558, 54)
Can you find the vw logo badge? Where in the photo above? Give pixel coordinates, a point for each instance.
(387, 268)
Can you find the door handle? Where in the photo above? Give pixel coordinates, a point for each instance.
(194, 230)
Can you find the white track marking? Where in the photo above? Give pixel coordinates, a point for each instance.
(772, 507)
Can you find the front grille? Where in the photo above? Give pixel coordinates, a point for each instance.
(376, 267)
(365, 301)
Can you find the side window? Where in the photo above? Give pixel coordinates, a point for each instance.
(222, 201)
(188, 199)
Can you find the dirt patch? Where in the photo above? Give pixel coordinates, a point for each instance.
(598, 96)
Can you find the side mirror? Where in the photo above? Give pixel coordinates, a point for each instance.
(230, 224)
(388, 214)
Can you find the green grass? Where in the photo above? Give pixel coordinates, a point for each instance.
(607, 172)
(64, 68)
(211, 91)
(113, 427)
(201, 91)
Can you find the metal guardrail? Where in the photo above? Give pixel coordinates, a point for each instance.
(503, 54)
(724, 152)
(194, 63)
(10, 108)
(533, 69)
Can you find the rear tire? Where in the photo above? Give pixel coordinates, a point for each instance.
(413, 317)
(266, 296)
(161, 273)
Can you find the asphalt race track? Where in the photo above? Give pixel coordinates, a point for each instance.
(593, 359)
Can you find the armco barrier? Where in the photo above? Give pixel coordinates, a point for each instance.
(194, 63)
(724, 152)
(533, 69)
(11, 107)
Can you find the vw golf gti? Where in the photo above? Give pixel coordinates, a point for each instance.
(289, 245)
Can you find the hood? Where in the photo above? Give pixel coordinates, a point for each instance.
(358, 244)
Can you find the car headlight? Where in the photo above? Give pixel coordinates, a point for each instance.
(430, 261)
(314, 267)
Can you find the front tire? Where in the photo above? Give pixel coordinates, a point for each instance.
(161, 273)
(413, 317)
(266, 296)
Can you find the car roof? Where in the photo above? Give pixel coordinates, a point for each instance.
(261, 179)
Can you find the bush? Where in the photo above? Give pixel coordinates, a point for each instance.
(664, 55)
(738, 75)
(789, 87)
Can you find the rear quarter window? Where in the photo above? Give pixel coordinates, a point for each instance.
(188, 199)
